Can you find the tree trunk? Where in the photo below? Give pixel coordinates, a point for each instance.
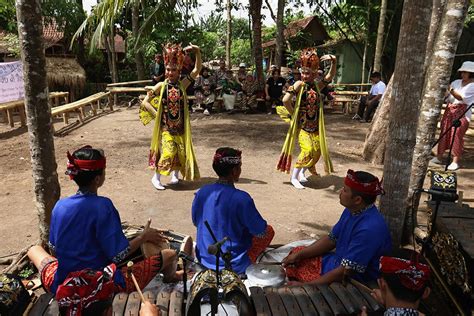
(255, 11)
(437, 80)
(436, 15)
(228, 41)
(81, 55)
(366, 44)
(138, 52)
(110, 42)
(380, 33)
(279, 34)
(376, 138)
(407, 85)
(38, 112)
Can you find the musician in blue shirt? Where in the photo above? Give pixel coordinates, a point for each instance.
(354, 245)
(230, 213)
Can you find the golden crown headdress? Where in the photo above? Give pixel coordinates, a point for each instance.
(310, 59)
(173, 55)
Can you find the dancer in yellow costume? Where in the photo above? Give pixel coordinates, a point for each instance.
(167, 104)
(307, 119)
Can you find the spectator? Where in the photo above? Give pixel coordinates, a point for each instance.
(242, 73)
(229, 90)
(248, 101)
(220, 73)
(460, 96)
(157, 69)
(367, 107)
(204, 91)
(274, 90)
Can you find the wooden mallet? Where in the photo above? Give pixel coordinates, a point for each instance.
(130, 274)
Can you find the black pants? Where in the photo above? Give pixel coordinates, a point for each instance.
(366, 112)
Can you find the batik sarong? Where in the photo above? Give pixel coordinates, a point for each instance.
(260, 243)
(173, 154)
(310, 150)
(306, 270)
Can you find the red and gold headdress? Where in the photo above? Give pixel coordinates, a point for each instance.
(412, 274)
(370, 188)
(173, 55)
(309, 59)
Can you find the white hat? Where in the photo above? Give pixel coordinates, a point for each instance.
(242, 65)
(467, 66)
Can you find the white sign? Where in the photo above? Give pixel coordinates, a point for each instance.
(11, 82)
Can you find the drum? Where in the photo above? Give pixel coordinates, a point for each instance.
(265, 275)
(176, 241)
(231, 290)
(335, 299)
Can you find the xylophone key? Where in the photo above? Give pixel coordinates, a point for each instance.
(335, 304)
(346, 299)
(318, 300)
(259, 301)
(304, 302)
(290, 302)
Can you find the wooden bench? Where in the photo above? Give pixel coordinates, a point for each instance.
(348, 99)
(78, 106)
(8, 108)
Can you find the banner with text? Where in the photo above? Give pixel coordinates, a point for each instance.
(11, 82)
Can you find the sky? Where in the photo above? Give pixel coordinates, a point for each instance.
(208, 6)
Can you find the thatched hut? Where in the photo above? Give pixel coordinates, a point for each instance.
(65, 74)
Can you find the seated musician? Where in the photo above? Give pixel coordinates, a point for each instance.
(403, 283)
(354, 244)
(86, 233)
(230, 213)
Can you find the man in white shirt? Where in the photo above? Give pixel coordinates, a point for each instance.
(369, 104)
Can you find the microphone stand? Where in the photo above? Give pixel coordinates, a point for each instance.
(214, 296)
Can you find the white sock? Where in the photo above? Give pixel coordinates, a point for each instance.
(294, 178)
(302, 177)
(156, 181)
(174, 177)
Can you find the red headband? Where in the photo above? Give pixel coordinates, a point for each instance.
(369, 188)
(75, 165)
(413, 275)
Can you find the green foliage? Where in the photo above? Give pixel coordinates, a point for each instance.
(241, 52)
(12, 43)
(67, 14)
(7, 15)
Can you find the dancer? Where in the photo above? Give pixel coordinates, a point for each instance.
(307, 119)
(167, 103)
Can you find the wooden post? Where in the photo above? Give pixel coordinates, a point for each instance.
(5, 116)
(10, 117)
(81, 114)
(111, 100)
(21, 110)
(65, 118)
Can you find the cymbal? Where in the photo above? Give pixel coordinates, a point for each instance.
(266, 275)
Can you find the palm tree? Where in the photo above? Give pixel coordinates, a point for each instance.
(100, 23)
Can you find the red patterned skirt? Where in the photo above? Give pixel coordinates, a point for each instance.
(259, 244)
(144, 272)
(306, 270)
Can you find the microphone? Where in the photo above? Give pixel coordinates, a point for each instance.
(214, 248)
(187, 257)
(441, 195)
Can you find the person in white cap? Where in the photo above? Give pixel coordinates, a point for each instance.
(460, 95)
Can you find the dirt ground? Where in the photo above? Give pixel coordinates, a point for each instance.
(295, 214)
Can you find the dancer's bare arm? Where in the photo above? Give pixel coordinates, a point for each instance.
(197, 64)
